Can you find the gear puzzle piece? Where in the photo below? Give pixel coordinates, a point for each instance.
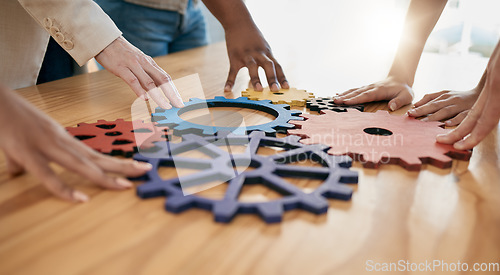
(326, 103)
(379, 138)
(119, 137)
(268, 170)
(281, 112)
(292, 96)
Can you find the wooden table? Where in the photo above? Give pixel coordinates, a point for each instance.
(448, 215)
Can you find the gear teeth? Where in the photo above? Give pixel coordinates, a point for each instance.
(379, 138)
(265, 168)
(314, 204)
(225, 210)
(151, 191)
(292, 96)
(178, 204)
(292, 139)
(337, 191)
(343, 160)
(271, 212)
(172, 119)
(348, 176)
(118, 137)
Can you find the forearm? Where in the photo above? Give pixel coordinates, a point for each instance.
(230, 13)
(421, 18)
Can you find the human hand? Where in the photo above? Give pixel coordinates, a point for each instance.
(398, 92)
(31, 140)
(444, 105)
(140, 72)
(246, 47)
(484, 114)
(479, 121)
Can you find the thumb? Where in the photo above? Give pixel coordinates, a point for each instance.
(403, 98)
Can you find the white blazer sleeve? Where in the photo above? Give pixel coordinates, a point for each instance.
(80, 26)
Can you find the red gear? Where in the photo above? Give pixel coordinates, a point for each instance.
(119, 137)
(375, 138)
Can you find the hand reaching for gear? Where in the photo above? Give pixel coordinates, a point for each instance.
(450, 105)
(397, 92)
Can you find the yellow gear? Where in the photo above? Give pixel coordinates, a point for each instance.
(292, 96)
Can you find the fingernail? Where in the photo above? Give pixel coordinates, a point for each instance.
(165, 104)
(143, 165)
(179, 103)
(411, 112)
(79, 196)
(123, 182)
(392, 106)
(285, 85)
(227, 88)
(447, 123)
(258, 87)
(425, 119)
(459, 145)
(170, 91)
(275, 87)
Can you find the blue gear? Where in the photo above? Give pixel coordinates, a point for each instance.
(281, 112)
(268, 170)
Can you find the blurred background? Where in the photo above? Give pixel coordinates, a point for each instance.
(346, 44)
(330, 46)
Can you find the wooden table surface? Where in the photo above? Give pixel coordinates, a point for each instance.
(448, 215)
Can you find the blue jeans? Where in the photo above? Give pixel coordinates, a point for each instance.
(157, 32)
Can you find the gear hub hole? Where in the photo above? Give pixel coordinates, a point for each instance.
(278, 93)
(377, 131)
(113, 134)
(106, 126)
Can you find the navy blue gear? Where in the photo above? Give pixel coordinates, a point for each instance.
(281, 112)
(268, 170)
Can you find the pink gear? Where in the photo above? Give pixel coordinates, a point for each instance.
(119, 137)
(377, 138)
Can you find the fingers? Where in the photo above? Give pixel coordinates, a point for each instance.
(482, 128)
(462, 130)
(350, 94)
(171, 92)
(164, 82)
(133, 82)
(159, 98)
(268, 66)
(37, 165)
(274, 72)
(280, 74)
(128, 168)
(457, 119)
(439, 109)
(13, 167)
(404, 97)
(443, 113)
(429, 97)
(361, 96)
(253, 71)
(82, 164)
(231, 77)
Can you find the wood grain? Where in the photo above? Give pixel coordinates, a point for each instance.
(436, 214)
